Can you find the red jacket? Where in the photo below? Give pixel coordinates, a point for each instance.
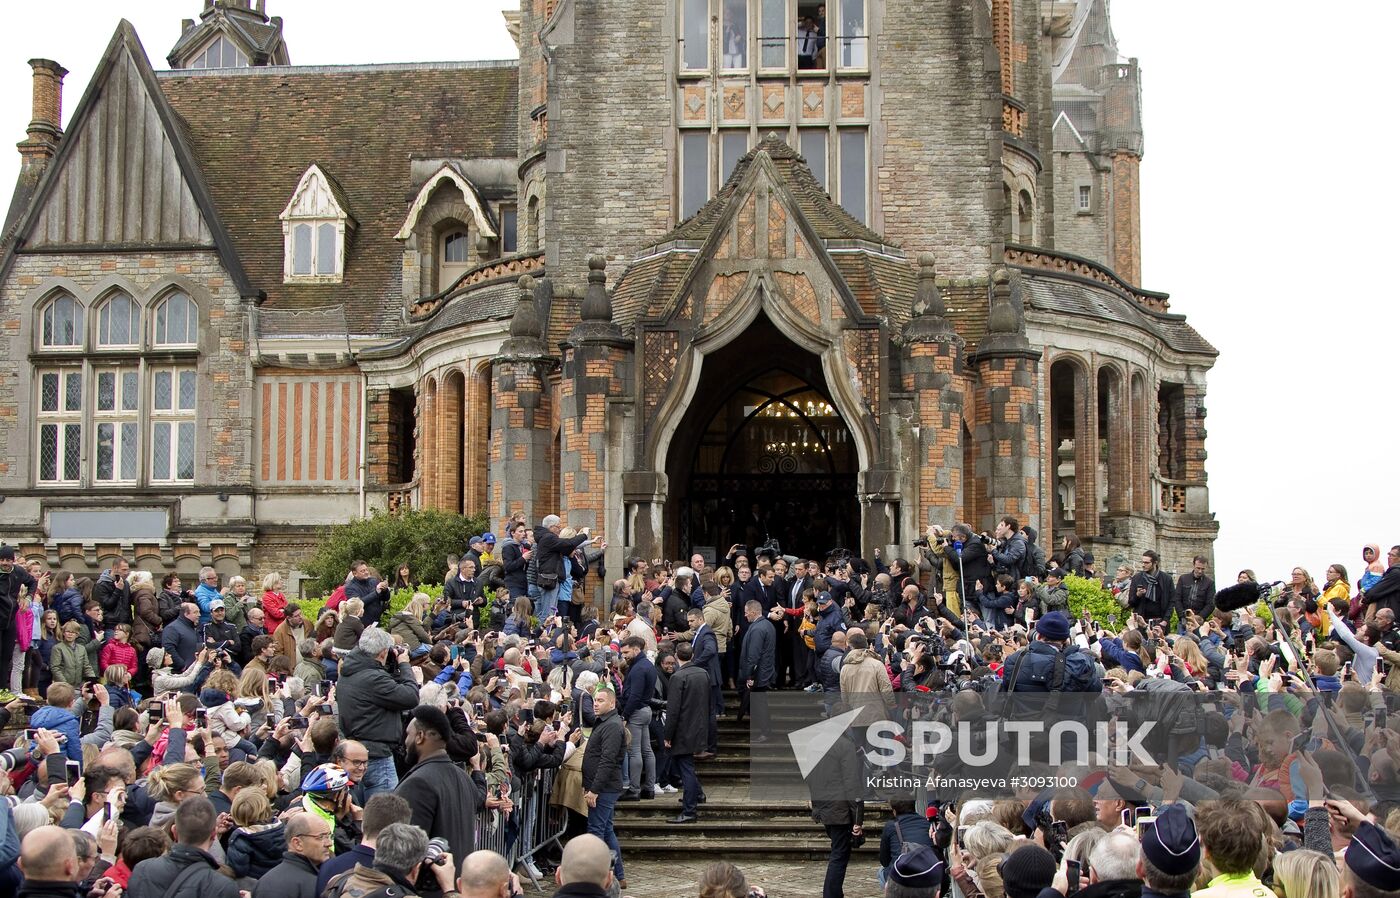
(274, 606)
(114, 652)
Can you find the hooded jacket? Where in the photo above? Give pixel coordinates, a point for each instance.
(254, 850)
(866, 682)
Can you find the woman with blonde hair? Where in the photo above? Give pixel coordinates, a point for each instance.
(170, 785)
(274, 602)
(145, 622)
(408, 625)
(1305, 873)
(253, 685)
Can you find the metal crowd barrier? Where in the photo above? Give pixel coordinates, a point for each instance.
(531, 826)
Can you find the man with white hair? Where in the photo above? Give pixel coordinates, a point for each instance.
(372, 701)
(552, 552)
(1113, 866)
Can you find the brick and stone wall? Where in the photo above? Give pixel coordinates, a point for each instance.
(934, 152)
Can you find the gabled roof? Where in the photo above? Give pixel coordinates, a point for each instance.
(102, 136)
(257, 35)
(256, 130)
(827, 217)
(449, 172)
(872, 272)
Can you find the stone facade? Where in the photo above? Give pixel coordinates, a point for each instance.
(873, 286)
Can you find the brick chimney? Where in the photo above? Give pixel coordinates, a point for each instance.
(45, 127)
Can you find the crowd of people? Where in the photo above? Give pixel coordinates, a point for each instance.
(220, 740)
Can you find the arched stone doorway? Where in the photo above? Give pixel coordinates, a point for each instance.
(763, 452)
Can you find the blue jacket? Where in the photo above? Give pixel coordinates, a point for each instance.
(60, 720)
(69, 605)
(1036, 674)
(1129, 661)
(181, 640)
(638, 686)
(204, 594)
(829, 622)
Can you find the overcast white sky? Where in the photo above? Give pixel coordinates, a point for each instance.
(1259, 215)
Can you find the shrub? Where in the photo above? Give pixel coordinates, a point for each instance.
(1085, 592)
(421, 537)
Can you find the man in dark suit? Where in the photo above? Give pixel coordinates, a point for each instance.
(706, 649)
(792, 668)
(757, 667)
(687, 734)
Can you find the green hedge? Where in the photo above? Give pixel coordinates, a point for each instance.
(1088, 593)
(422, 538)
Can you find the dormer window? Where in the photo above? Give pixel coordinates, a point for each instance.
(221, 53)
(314, 226)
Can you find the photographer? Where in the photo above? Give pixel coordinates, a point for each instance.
(400, 852)
(1011, 551)
(372, 699)
(942, 558)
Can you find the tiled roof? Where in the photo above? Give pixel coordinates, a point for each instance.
(255, 131)
(646, 282)
(1083, 300)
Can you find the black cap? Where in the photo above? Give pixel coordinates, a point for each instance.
(1170, 842)
(7, 553)
(917, 868)
(1373, 857)
(1027, 870)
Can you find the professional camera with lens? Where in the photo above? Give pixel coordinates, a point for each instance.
(437, 851)
(921, 543)
(770, 549)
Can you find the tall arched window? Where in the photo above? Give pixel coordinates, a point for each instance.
(119, 322)
(176, 321)
(532, 223)
(1025, 218)
(62, 323)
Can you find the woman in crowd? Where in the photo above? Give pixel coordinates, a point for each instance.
(146, 624)
(403, 578)
(408, 624)
(1306, 874)
(1073, 555)
(274, 603)
(518, 624)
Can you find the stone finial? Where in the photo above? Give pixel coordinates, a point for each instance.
(929, 321)
(525, 323)
(929, 301)
(1002, 318)
(596, 313)
(1006, 325)
(596, 304)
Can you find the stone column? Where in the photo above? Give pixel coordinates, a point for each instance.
(597, 367)
(427, 443)
(933, 374)
(1007, 427)
(521, 442)
(1086, 451)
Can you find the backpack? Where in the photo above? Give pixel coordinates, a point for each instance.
(1033, 564)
